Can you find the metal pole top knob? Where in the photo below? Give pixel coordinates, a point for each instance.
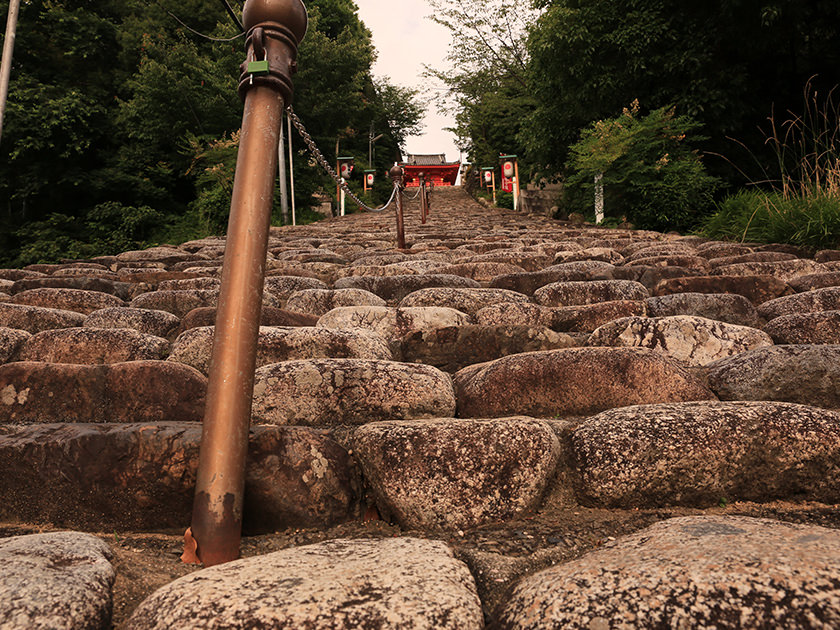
(396, 171)
(290, 13)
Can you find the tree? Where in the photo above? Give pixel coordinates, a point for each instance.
(487, 83)
(114, 119)
(650, 174)
(723, 63)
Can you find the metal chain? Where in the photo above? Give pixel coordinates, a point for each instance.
(319, 157)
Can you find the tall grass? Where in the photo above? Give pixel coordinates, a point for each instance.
(810, 219)
(800, 203)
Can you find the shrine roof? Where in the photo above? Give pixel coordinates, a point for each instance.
(437, 159)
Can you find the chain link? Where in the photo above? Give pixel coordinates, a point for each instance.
(319, 157)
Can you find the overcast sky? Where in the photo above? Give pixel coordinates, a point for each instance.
(405, 39)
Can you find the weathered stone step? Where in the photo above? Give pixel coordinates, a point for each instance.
(275, 344)
(383, 439)
(102, 477)
(137, 391)
(573, 382)
(722, 572)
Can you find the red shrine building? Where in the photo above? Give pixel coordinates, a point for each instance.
(435, 168)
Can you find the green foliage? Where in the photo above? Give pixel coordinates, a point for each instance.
(811, 221)
(107, 228)
(121, 110)
(504, 200)
(722, 63)
(487, 85)
(800, 203)
(651, 175)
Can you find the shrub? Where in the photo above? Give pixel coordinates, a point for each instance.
(504, 200)
(651, 176)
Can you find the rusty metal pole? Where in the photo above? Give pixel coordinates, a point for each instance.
(396, 174)
(274, 27)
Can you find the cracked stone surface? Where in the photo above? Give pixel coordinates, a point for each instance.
(691, 340)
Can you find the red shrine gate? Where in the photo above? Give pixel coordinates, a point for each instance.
(434, 167)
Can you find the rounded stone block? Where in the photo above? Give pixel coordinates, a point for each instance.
(392, 289)
(320, 301)
(783, 270)
(269, 316)
(725, 572)
(468, 301)
(138, 391)
(455, 347)
(101, 285)
(181, 302)
(529, 261)
(60, 580)
(805, 374)
(275, 344)
(691, 340)
(722, 307)
(515, 314)
(592, 292)
(448, 474)
(807, 328)
(529, 282)
(815, 281)
(34, 319)
(827, 299)
(698, 454)
(11, 339)
(92, 346)
(573, 382)
(76, 300)
(393, 323)
(327, 392)
(338, 584)
(161, 254)
(481, 271)
(150, 322)
(281, 287)
(583, 319)
(177, 302)
(187, 284)
(756, 288)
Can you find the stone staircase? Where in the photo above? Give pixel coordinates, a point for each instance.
(514, 423)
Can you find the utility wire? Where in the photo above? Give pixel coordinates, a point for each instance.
(233, 16)
(213, 39)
